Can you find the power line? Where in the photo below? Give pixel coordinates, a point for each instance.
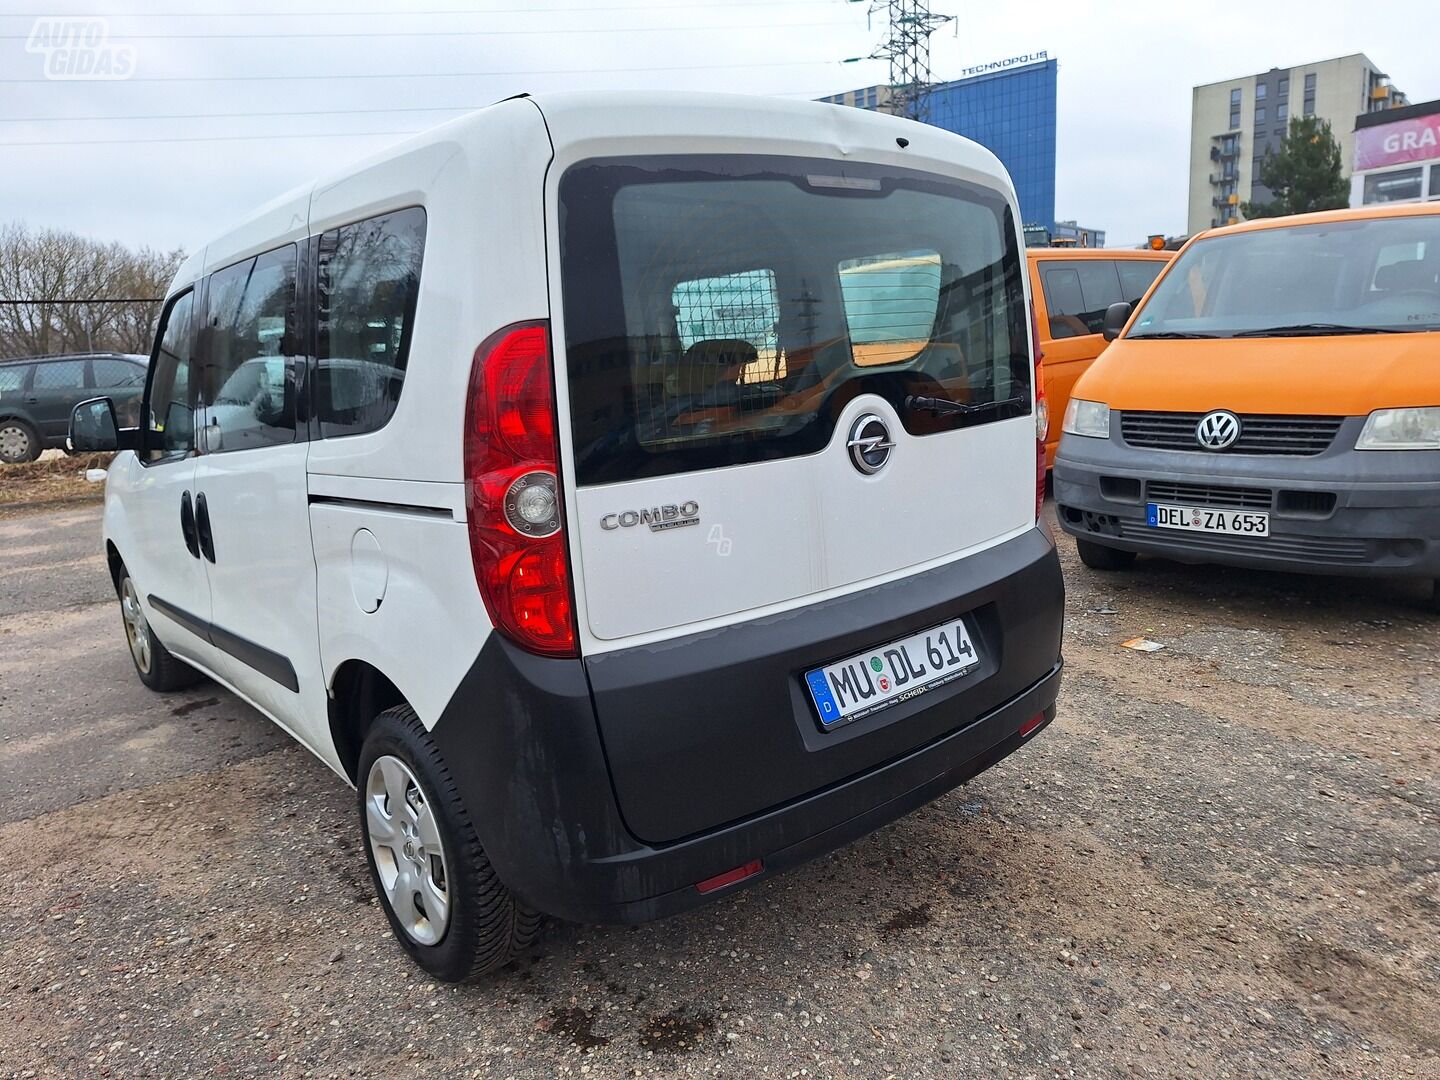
(443, 74)
(731, 4)
(441, 33)
(212, 138)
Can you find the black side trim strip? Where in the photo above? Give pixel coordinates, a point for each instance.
(267, 662)
(379, 504)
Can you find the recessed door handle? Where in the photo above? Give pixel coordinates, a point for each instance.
(187, 525)
(202, 527)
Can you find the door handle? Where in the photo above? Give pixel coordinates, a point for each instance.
(187, 525)
(202, 527)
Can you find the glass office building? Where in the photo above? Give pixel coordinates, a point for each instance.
(1010, 112)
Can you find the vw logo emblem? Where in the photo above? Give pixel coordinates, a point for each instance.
(1217, 430)
(870, 444)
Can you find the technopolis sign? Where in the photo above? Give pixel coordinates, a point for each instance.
(1004, 65)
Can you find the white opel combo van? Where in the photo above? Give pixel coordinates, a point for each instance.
(632, 496)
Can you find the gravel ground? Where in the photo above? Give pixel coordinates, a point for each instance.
(1220, 861)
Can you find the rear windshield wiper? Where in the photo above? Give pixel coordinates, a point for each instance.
(945, 405)
(1314, 329)
(1172, 335)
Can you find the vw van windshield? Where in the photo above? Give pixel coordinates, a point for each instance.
(1354, 276)
(721, 310)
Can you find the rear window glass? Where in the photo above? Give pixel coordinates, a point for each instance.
(723, 310)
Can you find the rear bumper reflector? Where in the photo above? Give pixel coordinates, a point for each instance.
(730, 877)
(1032, 724)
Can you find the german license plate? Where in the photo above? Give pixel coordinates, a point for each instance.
(1208, 520)
(861, 684)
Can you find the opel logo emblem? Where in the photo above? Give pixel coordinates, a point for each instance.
(870, 444)
(1217, 430)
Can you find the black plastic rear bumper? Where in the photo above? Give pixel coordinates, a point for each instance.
(521, 739)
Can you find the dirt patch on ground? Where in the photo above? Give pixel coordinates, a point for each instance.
(51, 481)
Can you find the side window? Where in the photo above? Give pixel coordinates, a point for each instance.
(60, 375)
(12, 378)
(367, 285)
(170, 409)
(1077, 294)
(247, 372)
(1137, 275)
(117, 373)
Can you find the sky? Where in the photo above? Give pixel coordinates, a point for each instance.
(208, 125)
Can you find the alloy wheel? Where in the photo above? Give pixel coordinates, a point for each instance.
(409, 854)
(137, 630)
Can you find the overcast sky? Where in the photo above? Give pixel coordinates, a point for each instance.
(1126, 71)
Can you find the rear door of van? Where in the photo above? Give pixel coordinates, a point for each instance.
(782, 382)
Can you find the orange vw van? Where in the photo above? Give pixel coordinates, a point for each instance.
(1274, 402)
(1073, 288)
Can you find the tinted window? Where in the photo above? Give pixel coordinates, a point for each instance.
(1077, 294)
(247, 374)
(118, 373)
(60, 375)
(1137, 275)
(12, 377)
(723, 310)
(170, 419)
(368, 283)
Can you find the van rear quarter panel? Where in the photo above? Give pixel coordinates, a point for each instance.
(480, 181)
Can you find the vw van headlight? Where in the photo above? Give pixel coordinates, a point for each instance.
(1088, 418)
(1401, 429)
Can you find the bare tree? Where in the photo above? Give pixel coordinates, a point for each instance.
(63, 292)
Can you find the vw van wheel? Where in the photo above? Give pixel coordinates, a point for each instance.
(445, 904)
(1099, 557)
(157, 668)
(18, 442)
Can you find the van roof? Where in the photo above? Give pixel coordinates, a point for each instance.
(777, 125)
(1067, 254)
(1353, 214)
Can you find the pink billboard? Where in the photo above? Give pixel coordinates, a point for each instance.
(1394, 144)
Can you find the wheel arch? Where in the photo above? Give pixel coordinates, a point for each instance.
(359, 692)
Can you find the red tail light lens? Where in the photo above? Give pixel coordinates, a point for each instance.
(1042, 416)
(512, 491)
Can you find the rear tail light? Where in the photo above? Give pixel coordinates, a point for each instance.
(512, 491)
(1042, 416)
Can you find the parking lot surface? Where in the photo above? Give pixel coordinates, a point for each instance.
(1220, 861)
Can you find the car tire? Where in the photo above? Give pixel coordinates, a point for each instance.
(448, 910)
(19, 442)
(156, 665)
(1100, 557)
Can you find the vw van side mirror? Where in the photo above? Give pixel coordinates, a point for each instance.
(94, 430)
(1116, 316)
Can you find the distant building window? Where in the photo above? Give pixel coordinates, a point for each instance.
(1234, 119)
(1396, 186)
(1283, 87)
(1309, 106)
(1261, 90)
(1235, 96)
(1282, 111)
(1310, 83)
(1259, 114)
